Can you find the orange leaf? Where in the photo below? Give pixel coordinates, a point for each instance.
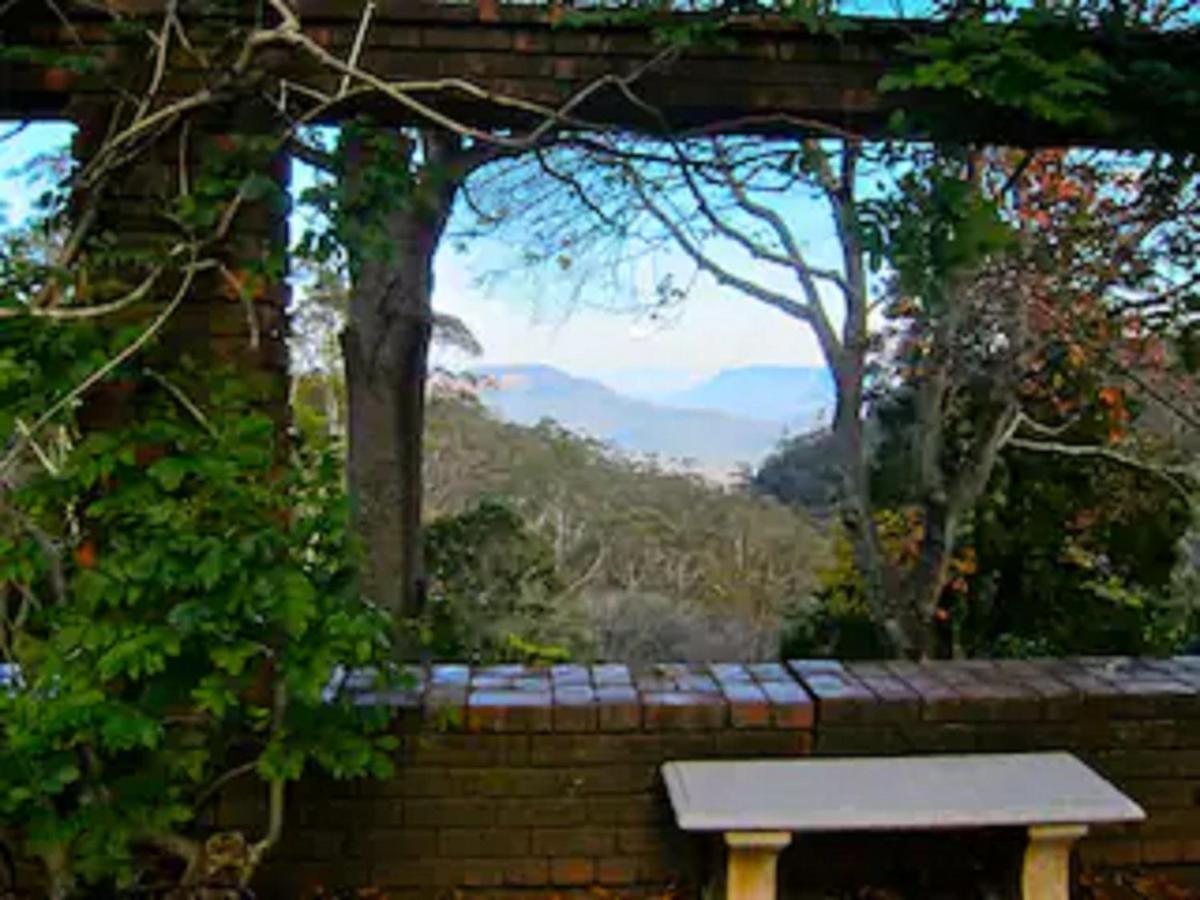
(85, 555)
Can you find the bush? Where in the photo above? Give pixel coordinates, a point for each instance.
(188, 596)
(494, 592)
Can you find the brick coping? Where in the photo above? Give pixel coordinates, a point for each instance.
(796, 695)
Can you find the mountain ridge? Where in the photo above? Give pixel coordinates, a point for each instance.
(717, 438)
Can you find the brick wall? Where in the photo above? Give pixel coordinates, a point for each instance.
(544, 783)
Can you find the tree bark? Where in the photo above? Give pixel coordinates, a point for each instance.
(386, 350)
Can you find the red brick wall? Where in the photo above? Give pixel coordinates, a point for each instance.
(539, 784)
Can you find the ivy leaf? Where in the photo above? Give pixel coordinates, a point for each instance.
(297, 603)
(232, 658)
(169, 472)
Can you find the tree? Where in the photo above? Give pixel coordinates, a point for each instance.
(388, 199)
(964, 247)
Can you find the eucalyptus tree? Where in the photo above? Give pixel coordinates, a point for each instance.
(955, 273)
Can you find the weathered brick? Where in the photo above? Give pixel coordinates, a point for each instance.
(791, 706)
(664, 745)
(527, 872)
(642, 809)
(509, 710)
(487, 842)
(1103, 854)
(542, 811)
(1157, 851)
(1164, 793)
(518, 782)
(616, 779)
(590, 841)
(489, 814)
(769, 672)
(450, 674)
(840, 696)
(574, 708)
(897, 701)
(449, 811)
(997, 702)
(572, 675)
(406, 843)
(617, 870)
(802, 668)
(772, 743)
(570, 749)
(315, 845)
(860, 740)
(669, 710)
(618, 708)
(730, 673)
(611, 675)
(641, 841)
(573, 871)
(466, 749)
(748, 705)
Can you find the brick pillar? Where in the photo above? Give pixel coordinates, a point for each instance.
(214, 327)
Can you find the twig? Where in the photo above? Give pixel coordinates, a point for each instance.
(214, 787)
(1169, 474)
(359, 39)
(41, 454)
(243, 296)
(183, 399)
(102, 372)
(66, 313)
(14, 131)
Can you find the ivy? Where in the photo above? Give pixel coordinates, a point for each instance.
(1057, 69)
(190, 591)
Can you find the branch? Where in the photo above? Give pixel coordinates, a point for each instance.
(314, 156)
(214, 787)
(276, 791)
(88, 312)
(130, 349)
(722, 275)
(1170, 474)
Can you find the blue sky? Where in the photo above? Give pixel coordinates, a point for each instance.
(517, 321)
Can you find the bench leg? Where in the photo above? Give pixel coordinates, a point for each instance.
(1046, 874)
(750, 873)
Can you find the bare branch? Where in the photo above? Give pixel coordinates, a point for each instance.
(1173, 475)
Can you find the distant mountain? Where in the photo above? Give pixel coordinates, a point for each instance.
(717, 441)
(800, 397)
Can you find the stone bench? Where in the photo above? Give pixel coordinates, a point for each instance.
(759, 804)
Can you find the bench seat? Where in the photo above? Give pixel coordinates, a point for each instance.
(759, 804)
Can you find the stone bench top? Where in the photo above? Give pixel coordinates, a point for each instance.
(893, 793)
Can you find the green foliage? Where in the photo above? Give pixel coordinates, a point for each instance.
(935, 228)
(372, 176)
(619, 525)
(188, 596)
(1074, 559)
(1059, 66)
(493, 589)
(803, 472)
(1065, 558)
(1039, 64)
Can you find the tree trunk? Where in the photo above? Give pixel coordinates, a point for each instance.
(925, 582)
(879, 582)
(386, 348)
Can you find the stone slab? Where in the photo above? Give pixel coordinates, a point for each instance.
(901, 793)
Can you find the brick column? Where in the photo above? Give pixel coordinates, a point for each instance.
(215, 327)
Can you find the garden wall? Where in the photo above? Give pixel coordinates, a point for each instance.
(526, 783)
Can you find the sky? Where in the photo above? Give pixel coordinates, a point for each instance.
(519, 321)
